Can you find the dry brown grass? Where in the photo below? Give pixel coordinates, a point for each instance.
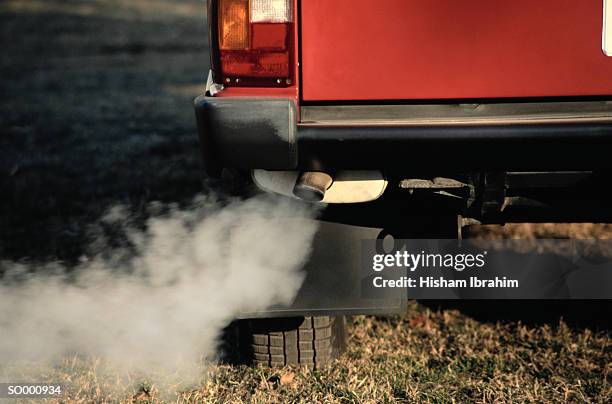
(576, 231)
(427, 355)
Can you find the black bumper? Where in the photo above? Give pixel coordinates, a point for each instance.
(247, 133)
(462, 148)
(265, 133)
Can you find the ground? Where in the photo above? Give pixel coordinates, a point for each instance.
(96, 110)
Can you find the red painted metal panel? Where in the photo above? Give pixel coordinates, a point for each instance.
(430, 49)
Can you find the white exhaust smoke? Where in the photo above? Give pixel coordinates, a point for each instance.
(163, 304)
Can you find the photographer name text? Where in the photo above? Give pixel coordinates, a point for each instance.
(455, 263)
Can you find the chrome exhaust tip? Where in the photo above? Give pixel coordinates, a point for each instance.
(312, 185)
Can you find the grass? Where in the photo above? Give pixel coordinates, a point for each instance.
(427, 355)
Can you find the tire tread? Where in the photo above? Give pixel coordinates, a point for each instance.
(309, 341)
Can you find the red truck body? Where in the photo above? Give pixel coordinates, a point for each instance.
(355, 50)
(440, 49)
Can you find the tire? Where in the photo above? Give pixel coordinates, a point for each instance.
(309, 341)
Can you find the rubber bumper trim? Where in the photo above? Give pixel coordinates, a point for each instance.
(247, 132)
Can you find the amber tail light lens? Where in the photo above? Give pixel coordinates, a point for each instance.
(255, 42)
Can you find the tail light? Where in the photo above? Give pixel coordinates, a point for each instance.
(254, 42)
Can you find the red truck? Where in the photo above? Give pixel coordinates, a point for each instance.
(412, 116)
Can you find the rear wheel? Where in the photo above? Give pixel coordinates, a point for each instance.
(310, 341)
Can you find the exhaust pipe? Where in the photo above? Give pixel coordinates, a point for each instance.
(312, 185)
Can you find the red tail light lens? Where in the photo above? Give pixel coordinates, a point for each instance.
(255, 42)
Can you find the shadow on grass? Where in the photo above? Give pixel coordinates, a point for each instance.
(592, 314)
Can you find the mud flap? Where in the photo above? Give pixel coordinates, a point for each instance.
(333, 284)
